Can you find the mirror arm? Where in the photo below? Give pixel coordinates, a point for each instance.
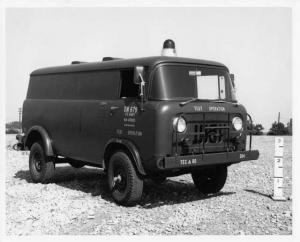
(142, 85)
(232, 80)
(142, 92)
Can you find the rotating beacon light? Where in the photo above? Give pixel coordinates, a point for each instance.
(168, 48)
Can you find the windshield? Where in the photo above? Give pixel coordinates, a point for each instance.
(190, 81)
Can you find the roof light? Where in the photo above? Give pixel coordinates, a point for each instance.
(169, 48)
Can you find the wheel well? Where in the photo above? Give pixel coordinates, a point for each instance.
(112, 148)
(33, 137)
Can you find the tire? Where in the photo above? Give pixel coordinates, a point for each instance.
(210, 180)
(125, 185)
(159, 180)
(17, 147)
(77, 164)
(41, 167)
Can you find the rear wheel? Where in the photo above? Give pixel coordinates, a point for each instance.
(210, 180)
(125, 185)
(41, 167)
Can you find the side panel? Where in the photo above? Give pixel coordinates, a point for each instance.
(68, 106)
(96, 129)
(133, 124)
(123, 119)
(60, 118)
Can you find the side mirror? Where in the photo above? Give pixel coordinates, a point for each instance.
(232, 79)
(138, 74)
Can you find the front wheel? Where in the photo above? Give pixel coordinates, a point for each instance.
(210, 180)
(125, 185)
(41, 167)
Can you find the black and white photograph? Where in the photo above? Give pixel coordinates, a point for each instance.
(130, 120)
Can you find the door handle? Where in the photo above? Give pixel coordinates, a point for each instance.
(102, 103)
(112, 108)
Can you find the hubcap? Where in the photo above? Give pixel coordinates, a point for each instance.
(37, 162)
(119, 180)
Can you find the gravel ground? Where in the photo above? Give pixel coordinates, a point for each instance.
(78, 201)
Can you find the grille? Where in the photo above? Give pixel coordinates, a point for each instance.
(206, 133)
(209, 133)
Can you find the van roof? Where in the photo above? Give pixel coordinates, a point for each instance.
(123, 63)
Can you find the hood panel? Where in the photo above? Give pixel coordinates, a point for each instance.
(200, 107)
(198, 115)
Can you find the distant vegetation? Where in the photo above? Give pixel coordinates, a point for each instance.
(257, 129)
(13, 127)
(281, 129)
(275, 129)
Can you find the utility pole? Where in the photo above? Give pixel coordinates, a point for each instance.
(20, 118)
(277, 126)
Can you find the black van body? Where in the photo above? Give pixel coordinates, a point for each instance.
(85, 113)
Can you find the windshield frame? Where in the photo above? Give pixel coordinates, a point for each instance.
(228, 97)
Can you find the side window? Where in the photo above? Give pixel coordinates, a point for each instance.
(128, 88)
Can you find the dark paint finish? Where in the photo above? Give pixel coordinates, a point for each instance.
(123, 63)
(79, 125)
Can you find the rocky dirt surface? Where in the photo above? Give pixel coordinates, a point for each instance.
(78, 201)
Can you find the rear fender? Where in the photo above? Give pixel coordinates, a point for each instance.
(44, 136)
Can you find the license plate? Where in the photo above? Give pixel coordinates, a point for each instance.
(187, 162)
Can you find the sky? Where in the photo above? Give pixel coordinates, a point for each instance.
(254, 43)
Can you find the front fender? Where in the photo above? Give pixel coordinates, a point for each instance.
(132, 149)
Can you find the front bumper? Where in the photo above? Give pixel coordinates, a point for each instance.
(207, 159)
(20, 145)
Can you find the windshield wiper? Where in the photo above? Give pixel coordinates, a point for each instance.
(223, 101)
(203, 100)
(189, 101)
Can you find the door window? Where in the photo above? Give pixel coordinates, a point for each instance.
(128, 87)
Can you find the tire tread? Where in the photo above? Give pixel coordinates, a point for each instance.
(214, 185)
(49, 165)
(135, 186)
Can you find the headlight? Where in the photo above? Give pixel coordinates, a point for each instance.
(237, 123)
(179, 124)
